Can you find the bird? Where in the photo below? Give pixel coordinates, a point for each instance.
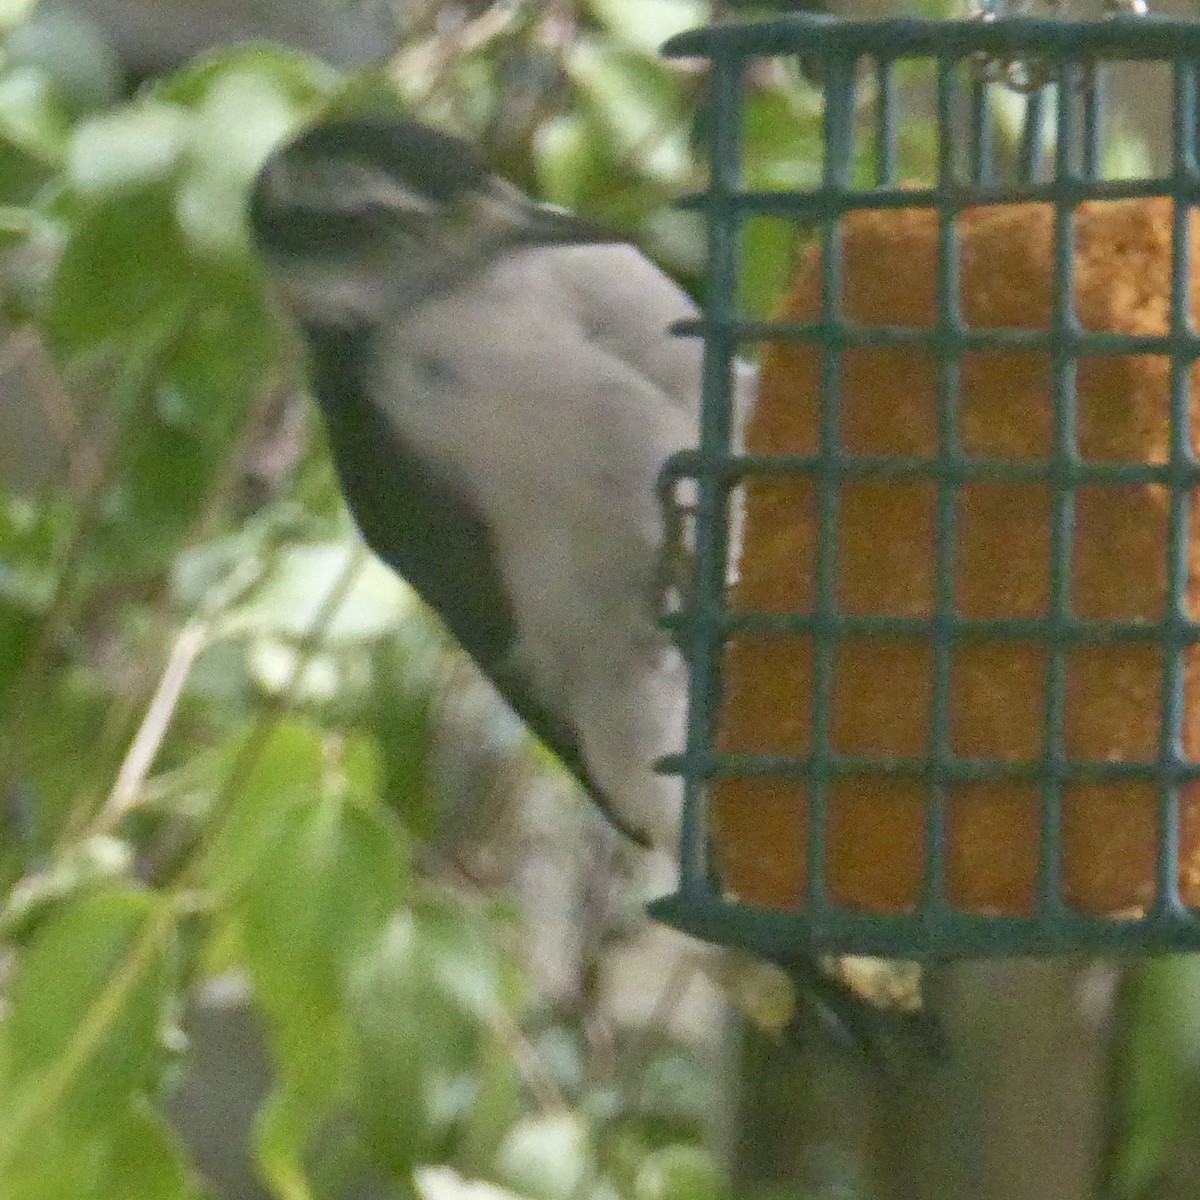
(501, 391)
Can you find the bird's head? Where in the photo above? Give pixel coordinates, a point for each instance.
(357, 217)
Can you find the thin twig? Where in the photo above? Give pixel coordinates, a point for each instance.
(99, 1019)
(435, 57)
(271, 714)
(542, 1086)
(144, 747)
(653, 1033)
(120, 724)
(636, 1065)
(84, 464)
(32, 678)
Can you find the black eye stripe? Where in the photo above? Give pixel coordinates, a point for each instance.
(301, 229)
(305, 230)
(351, 184)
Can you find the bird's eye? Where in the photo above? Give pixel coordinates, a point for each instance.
(308, 229)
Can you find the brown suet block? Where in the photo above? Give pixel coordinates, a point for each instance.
(882, 689)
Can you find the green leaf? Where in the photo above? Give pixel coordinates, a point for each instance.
(13, 12)
(85, 866)
(15, 223)
(144, 1160)
(128, 148)
(289, 601)
(74, 51)
(769, 249)
(444, 1183)
(320, 895)
(782, 141)
(60, 1161)
(646, 24)
(498, 1103)
(31, 114)
(191, 348)
(571, 161)
(1127, 154)
(285, 1125)
(164, 479)
(222, 360)
(288, 769)
(208, 377)
(367, 91)
(125, 269)
(678, 1173)
(410, 669)
(31, 537)
(303, 80)
(1156, 1053)
(396, 1052)
(639, 104)
(547, 1157)
(83, 1035)
(322, 889)
(425, 1008)
(59, 752)
(244, 115)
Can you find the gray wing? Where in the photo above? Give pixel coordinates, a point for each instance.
(430, 534)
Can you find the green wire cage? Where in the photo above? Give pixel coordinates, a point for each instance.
(1053, 154)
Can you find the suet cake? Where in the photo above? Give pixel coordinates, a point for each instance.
(885, 566)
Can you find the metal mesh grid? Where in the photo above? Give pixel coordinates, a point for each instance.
(1064, 175)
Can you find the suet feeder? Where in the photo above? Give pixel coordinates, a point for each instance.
(942, 620)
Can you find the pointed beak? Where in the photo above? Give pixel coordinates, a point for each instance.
(515, 216)
(550, 224)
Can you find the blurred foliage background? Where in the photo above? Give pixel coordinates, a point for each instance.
(288, 904)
